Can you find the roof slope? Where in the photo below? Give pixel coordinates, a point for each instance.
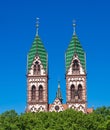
(75, 48)
(37, 49)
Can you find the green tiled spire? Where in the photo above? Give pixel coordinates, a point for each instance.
(37, 49)
(75, 48)
(58, 94)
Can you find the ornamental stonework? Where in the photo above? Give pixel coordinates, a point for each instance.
(75, 75)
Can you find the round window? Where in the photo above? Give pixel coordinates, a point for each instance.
(57, 108)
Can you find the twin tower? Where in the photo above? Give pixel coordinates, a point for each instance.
(37, 78)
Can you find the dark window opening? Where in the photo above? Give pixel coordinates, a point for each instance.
(36, 68)
(72, 91)
(40, 92)
(33, 93)
(80, 91)
(75, 66)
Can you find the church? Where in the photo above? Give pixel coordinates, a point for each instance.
(75, 75)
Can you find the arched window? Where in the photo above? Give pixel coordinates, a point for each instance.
(36, 68)
(80, 91)
(72, 89)
(75, 66)
(40, 92)
(33, 93)
(35, 71)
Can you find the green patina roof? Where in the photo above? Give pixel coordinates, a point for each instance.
(75, 48)
(37, 49)
(58, 94)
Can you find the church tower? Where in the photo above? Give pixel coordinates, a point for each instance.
(37, 76)
(75, 75)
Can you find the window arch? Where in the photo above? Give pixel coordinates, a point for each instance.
(72, 91)
(36, 68)
(33, 92)
(40, 92)
(75, 66)
(80, 91)
(35, 71)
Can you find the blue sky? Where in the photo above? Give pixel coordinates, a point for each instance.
(17, 32)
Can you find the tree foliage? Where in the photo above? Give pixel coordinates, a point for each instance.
(66, 120)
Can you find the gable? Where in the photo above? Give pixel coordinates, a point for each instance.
(56, 106)
(42, 70)
(70, 69)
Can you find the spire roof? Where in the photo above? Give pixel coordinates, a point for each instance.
(74, 48)
(37, 49)
(58, 94)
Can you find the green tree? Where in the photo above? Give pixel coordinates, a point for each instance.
(66, 120)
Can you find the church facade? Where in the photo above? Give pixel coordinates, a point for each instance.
(37, 78)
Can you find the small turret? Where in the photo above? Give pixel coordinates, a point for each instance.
(58, 93)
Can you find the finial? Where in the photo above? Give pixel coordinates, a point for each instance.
(74, 27)
(37, 26)
(58, 84)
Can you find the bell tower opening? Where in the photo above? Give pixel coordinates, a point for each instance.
(80, 92)
(36, 68)
(72, 91)
(75, 66)
(40, 93)
(33, 93)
